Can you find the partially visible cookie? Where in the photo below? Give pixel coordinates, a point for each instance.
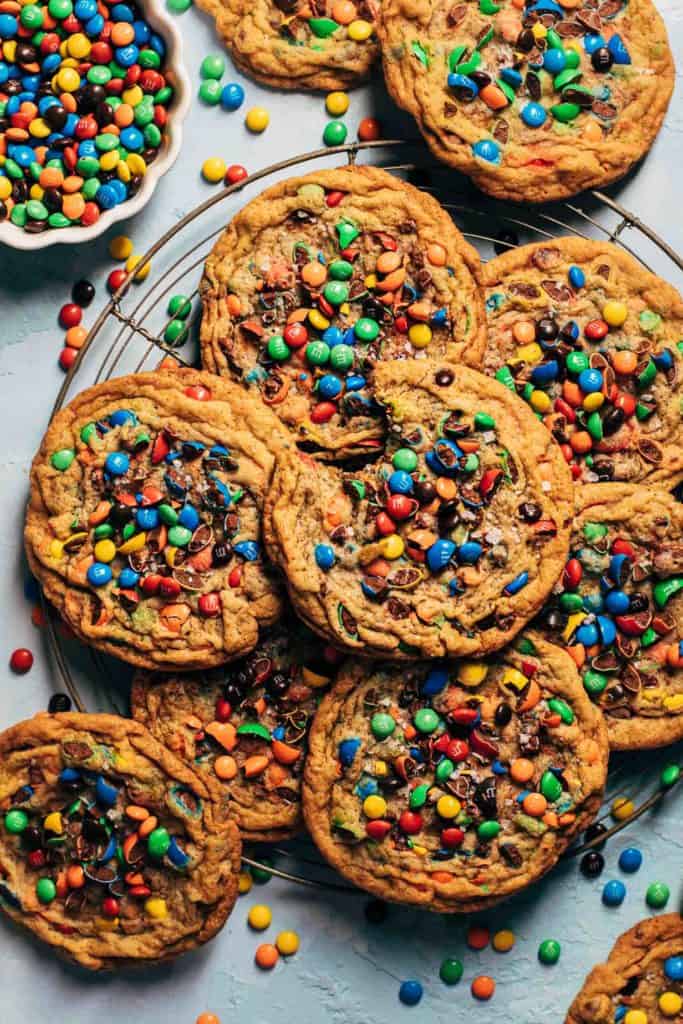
(619, 610)
(112, 850)
(144, 519)
(245, 726)
(452, 785)
(322, 278)
(535, 102)
(592, 341)
(644, 970)
(299, 44)
(448, 543)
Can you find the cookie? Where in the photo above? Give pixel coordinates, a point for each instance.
(112, 850)
(144, 519)
(246, 725)
(324, 276)
(534, 104)
(448, 543)
(452, 785)
(644, 972)
(592, 341)
(618, 609)
(294, 44)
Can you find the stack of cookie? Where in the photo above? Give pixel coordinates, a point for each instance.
(535, 100)
(375, 487)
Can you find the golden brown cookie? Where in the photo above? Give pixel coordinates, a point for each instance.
(534, 104)
(323, 277)
(245, 725)
(618, 609)
(446, 545)
(77, 789)
(452, 785)
(144, 519)
(644, 968)
(295, 44)
(592, 341)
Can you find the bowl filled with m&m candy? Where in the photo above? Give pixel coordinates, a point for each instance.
(92, 97)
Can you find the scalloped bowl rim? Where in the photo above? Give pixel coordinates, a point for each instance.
(17, 238)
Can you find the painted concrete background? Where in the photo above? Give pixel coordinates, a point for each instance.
(347, 971)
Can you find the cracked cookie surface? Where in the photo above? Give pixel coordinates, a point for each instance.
(645, 965)
(299, 44)
(322, 278)
(535, 104)
(144, 518)
(448, 543)
(111, 850)
(452, 785)
(618, 610)
(246, 725)
(593, 342)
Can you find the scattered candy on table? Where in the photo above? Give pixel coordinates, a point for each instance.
(244, 883)
(451, 971)
(59, 702)
(335, 133)
(232, 96)
(235, 173)
(483, 987)
(120, 247)
(503, 941)
(257, 119)
(337, 103)
(179, 7)
(410, 992)
(204, 1018)
(369, 130)
(287, 943)
(259, 917)
(549, 951)
(84, 104)
(214, 169)
(630, 860)
(478, 937)
(266, 956)
(657, 895)
(21, 660)
(613, 893)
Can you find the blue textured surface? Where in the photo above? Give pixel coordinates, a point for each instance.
(347, 971)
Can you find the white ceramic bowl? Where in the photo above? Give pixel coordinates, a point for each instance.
(174, 71)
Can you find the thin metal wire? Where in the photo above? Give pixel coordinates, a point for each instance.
(135, 325)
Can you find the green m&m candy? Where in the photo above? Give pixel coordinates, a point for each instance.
(451, 971)
(366, 329)
(278, 349)
(16, 821)
(341, 357)
(488, 830)
(341, 270)
(158, 843)
(405, 459)
(549, 951)
(180, 307)
(336, 292)
(46, 890)
(62, 459)
(382, 725)
(317, 353)
(213, 66)
(657, 895)
(426, 720)
(179, 536)
(335, 133)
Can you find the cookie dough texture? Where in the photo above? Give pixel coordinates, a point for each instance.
(124, 755)
(274, 43)
(423, 40)
(415, 868)
(257, 268)
(513, 502)
(273, 695)
(633, 975)
(642, 671)
(532, 283)
(164, 415)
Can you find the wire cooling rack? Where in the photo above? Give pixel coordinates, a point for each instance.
(128, 337)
